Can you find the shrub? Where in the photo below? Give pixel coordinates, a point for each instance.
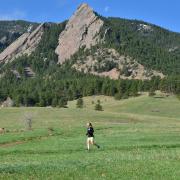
(178, 96)
(98, 106)
(152, 92)
(80, 103)
(62, 102)
(118, 96)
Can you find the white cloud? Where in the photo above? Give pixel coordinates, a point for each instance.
(15, 15)
(106, 9)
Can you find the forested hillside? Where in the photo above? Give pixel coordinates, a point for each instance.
(152, 46)
(39, 80)
(55, 84)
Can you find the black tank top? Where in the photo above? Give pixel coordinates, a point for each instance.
(90, 132)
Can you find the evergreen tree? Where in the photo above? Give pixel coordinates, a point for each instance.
(80, 103)
(98, 106)
(152, 92)
(118, 96)
(62, 102)
(54, 102)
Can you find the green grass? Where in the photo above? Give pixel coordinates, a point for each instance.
(139, 139)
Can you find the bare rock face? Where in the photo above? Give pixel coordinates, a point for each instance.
(8, 103)
(25, 44)
(81, 30)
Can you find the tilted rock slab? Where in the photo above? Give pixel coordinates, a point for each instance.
(25, 44)
(81, 30)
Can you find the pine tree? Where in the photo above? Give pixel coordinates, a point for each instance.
(98, 106)
(54, 102)
(152, 92)
(62, 102)
(118, 96)
(80, 103)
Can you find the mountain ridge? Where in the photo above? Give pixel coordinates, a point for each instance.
(86, 29)
(138, 41)
(11, 30)
(25, 44)
(124, 61)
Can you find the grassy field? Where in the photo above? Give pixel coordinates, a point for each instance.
(139, 139)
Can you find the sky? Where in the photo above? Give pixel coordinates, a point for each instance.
(165, 13)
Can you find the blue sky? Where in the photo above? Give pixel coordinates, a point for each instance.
(165, 13)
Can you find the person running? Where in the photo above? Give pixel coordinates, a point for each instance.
(90, 136)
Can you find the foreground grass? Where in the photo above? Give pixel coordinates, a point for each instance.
(139, 139)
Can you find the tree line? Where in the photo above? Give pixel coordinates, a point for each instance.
(69, 85)
(54, 85)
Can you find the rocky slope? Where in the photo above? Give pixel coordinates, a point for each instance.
(109, 63)
(11, 30)
(25, 44)
(81, 30)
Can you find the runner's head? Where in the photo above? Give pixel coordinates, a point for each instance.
(89, 124)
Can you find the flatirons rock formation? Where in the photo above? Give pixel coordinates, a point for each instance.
(81, 30)
(25, 44)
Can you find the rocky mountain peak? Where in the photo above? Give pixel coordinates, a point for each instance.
(83, 6)
(25, 44)
(81, 30)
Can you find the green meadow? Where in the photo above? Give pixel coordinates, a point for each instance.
(139, 139)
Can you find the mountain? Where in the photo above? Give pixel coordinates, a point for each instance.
(140, 50)
(50, 63)
(152, 46)
(25, 44)
(81, 30)
(11, 30)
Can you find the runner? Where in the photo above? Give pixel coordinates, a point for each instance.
(90, 136)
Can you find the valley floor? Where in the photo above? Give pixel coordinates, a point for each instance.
(139, 139)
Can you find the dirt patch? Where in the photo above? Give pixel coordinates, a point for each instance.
(118, 122)
(11, 144)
